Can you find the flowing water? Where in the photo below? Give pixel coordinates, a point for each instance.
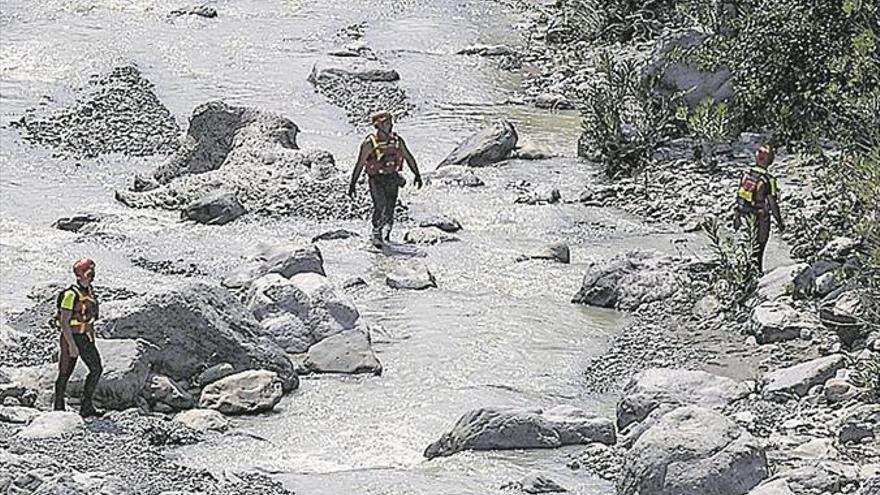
(496, 332)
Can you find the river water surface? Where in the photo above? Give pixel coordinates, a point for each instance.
(496, 332)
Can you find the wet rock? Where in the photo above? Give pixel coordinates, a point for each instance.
(205, 11)
(214, 373)
(777, 321)
(693, 451)
(558, 251)
(553, 101)
(820, 477)
(77, 222)
(522, 428)
(347, 352)
(487, 50)
(195, 325)
(17, 414)
(799, 379)
(676, 76)
(778, 487)
(427, 235)
(543, 195)
(535, 483)
(203, 420)
(248, 392)
(491, 145)
(455, 175)
(215, 209)
(444, 223)
(162, 394)
(839, 249)
(332, 235)
(779, 281)
(860, 423)
(52, 424)
(411, 276)
(289, 331)
(652, 388)
(281, 260)
(529, 151)
(361, 89)
(627, 281)
(116, 113)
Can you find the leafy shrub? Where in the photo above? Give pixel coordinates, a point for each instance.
(618, 20)
(711, 124)
(736, 274)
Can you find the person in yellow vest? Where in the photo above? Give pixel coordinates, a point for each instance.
(382, 154)
(758, 198)
(77, 312)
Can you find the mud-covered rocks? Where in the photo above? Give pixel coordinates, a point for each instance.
(361, 89)
(116, 113)
(52, 424)
(248, 392)
(215, 209)
(627, 281)
(194, 326)
(203, 420)
(657, 387)
(286, 261)
(411, 276)
(522, 428)
(797, 380)
(693, 451)
(346, 352)
(253, 155)
(488, 146)
(778, 321)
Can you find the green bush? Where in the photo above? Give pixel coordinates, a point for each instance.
(711, 124)
(618, 20)
(736, 273)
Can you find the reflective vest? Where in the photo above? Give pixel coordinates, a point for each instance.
(387, 156)
(84, 311)
(750, 187)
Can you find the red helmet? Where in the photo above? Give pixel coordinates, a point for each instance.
(380, 117)
(83, 267)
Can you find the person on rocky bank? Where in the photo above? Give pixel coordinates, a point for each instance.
(756, 199)
(383, 154)
(77, 312)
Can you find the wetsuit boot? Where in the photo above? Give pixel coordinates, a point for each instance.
(376, 238)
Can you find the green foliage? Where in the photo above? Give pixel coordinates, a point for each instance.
(866, 375)
(736, 274)
(624, 120)
(618, 20)
(711, 124)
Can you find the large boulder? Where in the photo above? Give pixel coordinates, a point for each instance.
(52, 424)
(778, 321)
(678, 77)
(860, 423)
(411, 276)
(779, 281)
(283, 260)
(346, 352)
(652, 388)
(522, 428)
(797, 380)
(248, 392)
(194, 326)
(628, 281)
(491, 145)
(693, 451)
(203, 420)
(214, 209)
(844, 312)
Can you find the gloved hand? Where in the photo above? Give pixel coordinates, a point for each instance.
(351, 190)
(418, 181)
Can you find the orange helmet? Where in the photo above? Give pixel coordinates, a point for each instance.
(381, 117)
(765, 154)
(83, 267)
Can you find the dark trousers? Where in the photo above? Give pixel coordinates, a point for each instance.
(383, 189)
(762, 235)
(90, 356)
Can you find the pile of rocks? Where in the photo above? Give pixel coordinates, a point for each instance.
(117, 113)
(362, 90)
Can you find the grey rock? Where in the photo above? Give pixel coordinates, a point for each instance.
(214, 373)
(693, 451)
(444, 223)
(845, 314)
(17, 414)
(819, 477)
(411, 276)
(455, 175)
(214, 209)
(288, 331)
(52, 424)
(799, 379)
(205, 11)
(558, 251)
(428, 235)
(779, 281)
(162, 391)
(839, 248)
(347, 352)
(491, 145)
(543, 195)
(707, 307)
(203, 420)
(522, 428)
(283, 260)
(332, 235)
(777, 487)
(487, 50)
(860, 423)
(628, 281)
(652, 388)
(553, 101)
(361, 89)
(248, 392)
(77, 222)
(825, 284)
(195, 325)
(535, 483)
(777, 321)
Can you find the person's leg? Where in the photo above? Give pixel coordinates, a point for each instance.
(763, 235)
(391, 190)
(378, 195)
(65, 369)
(90, 356)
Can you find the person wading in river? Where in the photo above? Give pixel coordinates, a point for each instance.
(76, 313)
(383, 154)
(756, 199)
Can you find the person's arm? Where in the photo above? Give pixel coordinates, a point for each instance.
(411, 163)
(366, 149)
(64, 315)
(774, 208)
